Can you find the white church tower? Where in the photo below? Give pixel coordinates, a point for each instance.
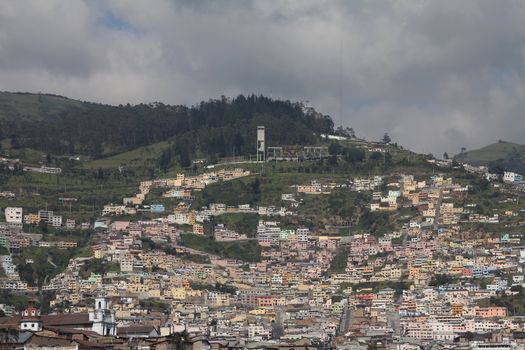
(103, 317)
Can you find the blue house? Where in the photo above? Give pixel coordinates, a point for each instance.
(157, 208)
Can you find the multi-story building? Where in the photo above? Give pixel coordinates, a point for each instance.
(14, 215)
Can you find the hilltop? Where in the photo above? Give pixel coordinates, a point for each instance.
(18, 107)
(60, 126)
(508, 155)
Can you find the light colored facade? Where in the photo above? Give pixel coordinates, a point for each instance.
(103, 318)
(14, 215)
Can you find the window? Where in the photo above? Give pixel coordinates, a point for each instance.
(32, 325)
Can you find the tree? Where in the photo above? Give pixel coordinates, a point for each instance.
(376, 157)
(185, 160)
(335, 148)
(354, 155)
(346, 132)
(445, 155)
(463, 149)
(8, 335)
(496, 168)
(388, 158)
(440, 280)
(222, 126)
(214, 159)
(386, 139)
(164, 160)
(14, 142)
(256, 189)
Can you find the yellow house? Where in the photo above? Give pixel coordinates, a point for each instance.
(259, 312)
(88, 288)
(74, 298)
(122, 314)
(99, 253)
(154, 293)
(178, 293)
(457, 309)
(239, 318)
(191, 218)
(72, 285)
(33, 219)
(281, 301)
(137, 288)
(134, 279)
(193, 293)
(223, 299)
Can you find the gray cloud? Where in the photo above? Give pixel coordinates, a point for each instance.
(437, 75)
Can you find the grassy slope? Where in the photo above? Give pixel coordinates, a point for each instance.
(138, 157)
(242, 250)
(91, 194)
(490, 153)
(34, 106)
(26, 155)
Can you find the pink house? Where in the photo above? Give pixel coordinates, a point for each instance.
(491, 311)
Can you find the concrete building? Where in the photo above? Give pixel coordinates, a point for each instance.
(13, 215)
(261, 147)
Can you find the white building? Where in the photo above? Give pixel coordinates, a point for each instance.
(113, 209)
(261, 147)
(303, 234)
(126, 264)
(70, 223)
(46, 216)
(56, 221)
(103, 318)
(511, 177)
(13, 215)
(268, 233)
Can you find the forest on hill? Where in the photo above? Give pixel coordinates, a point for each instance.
(217, 127)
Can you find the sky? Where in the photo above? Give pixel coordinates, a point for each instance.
(436, 75)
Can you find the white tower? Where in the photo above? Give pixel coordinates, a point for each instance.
(103, 317)
(261, 147)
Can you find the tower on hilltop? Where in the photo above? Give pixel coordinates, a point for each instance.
(261, 147)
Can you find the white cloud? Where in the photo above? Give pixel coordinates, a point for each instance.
(437, 75)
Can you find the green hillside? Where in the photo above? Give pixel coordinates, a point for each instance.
(138, 157)
(510, 156)
(213, 128)
(18, 107)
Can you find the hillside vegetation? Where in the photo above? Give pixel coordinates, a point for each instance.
(506, 155)
(214, 128)
(22, 107)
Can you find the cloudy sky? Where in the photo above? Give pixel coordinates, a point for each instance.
(437, 75)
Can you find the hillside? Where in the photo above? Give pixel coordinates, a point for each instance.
(216, 128)
(17, 107)
(510, 156)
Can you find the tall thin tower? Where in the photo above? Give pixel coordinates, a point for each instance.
(261, 147)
